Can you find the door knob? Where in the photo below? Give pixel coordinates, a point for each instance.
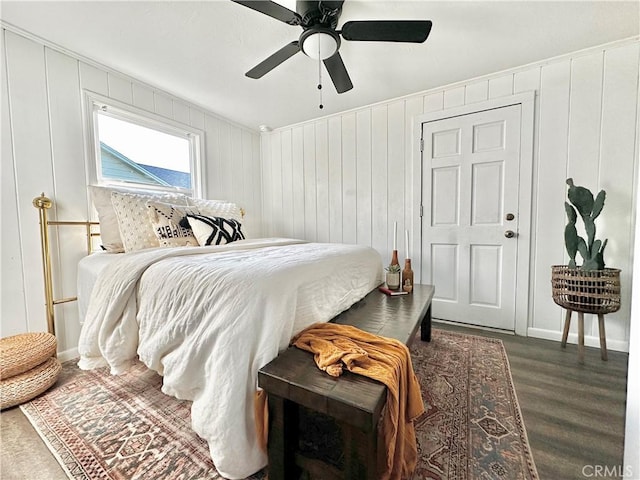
(509, 234)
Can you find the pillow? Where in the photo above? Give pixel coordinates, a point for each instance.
(215, 230)
(216, 208)
(133, 220)
(167, 226)
(109, 228)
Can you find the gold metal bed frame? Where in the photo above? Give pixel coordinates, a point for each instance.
(42, 203)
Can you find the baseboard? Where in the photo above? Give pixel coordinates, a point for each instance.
(475, 327)
(589, 341)
(68, 354)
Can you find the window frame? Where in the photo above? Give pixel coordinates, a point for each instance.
(95, 103)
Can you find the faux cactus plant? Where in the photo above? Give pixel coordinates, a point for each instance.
(588, 208)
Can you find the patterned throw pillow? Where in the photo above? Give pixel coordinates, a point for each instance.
(167, 226)
(133, 220)
(215, 230)
(109, 227)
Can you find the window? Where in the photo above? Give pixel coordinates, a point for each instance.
(135, 148)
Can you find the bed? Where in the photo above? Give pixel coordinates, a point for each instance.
(208, 317)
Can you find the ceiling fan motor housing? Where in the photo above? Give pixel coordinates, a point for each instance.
(322, 13)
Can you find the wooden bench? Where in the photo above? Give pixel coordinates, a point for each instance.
(352, 402)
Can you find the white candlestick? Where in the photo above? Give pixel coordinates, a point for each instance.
(395, 234)
(406, 243)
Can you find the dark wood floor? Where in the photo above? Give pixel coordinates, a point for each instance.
(574, 414)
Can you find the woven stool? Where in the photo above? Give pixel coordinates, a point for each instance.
(28, 367)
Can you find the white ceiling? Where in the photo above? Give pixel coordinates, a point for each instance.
(200, 50)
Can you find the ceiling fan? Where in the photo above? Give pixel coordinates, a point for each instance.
(321, 41)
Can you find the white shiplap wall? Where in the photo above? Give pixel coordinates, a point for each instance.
(348, 177)
(42, 130)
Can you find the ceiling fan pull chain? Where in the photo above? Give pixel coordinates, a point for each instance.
(321, 106)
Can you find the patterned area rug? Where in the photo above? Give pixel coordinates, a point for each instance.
(472, 427)
(122, 427)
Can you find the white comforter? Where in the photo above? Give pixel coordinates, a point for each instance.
(207, 318)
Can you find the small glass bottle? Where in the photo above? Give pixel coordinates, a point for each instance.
(394, 258)
(407, 276)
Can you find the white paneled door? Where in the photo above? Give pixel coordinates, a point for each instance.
(470, 168)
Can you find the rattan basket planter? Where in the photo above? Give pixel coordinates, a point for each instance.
(587, 291)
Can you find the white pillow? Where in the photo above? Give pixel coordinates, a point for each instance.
(109, 227)
(133, 220)
(167, 226)
(216, 208)
(215, 230)
(109, 231)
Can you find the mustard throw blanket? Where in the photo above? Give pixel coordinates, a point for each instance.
(385, 360)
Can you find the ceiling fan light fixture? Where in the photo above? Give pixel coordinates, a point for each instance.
(319, 45)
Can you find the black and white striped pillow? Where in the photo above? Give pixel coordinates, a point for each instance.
(215, 230)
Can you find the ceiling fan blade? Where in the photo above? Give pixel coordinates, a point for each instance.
(338, 73)
(415, 31)
(274, 60)
(272, 9)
